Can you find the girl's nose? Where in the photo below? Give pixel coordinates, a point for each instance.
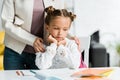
(60, 31)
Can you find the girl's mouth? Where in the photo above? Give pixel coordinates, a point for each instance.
(59, 38)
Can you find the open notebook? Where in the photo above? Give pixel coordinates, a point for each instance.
(93, 74)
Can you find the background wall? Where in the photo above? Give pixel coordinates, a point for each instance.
(97, 14)
(0, 13)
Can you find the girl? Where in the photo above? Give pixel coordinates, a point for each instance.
(61, 52)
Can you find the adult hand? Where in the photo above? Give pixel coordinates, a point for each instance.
(38, 45)
(77, 41)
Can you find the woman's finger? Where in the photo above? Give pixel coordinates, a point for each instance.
(36, 49)
(39, 49)
(38, 45)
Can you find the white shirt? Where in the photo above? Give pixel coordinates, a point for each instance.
(67, 56)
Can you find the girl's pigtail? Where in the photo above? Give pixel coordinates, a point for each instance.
(73, 16)
(49, 10)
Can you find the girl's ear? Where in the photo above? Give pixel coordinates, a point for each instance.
(47, 30)
(46, 27)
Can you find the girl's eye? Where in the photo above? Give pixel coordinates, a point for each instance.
(56, 28)
(65, 29)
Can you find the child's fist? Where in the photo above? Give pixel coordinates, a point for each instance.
(51, 39)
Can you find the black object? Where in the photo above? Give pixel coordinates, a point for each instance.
(98, 56)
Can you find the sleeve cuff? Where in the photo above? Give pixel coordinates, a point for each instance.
(53, 45)
(61, 46)
(32, 40)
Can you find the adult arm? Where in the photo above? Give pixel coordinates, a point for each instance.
(9, 19)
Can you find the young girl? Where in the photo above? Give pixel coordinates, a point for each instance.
(61, 51)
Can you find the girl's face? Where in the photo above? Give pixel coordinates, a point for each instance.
(59, 27)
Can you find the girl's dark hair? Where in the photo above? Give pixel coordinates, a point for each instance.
(52, 13)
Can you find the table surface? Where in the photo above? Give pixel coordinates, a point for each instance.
(64, 74)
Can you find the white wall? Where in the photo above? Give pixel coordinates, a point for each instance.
(97, 14)
(0, 14)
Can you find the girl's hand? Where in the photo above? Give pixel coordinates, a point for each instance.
(77, 41)
(63, 42)
(51, 39)
(38, 45)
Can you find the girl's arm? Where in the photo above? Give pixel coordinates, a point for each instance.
(70, 54)
(44, 60)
